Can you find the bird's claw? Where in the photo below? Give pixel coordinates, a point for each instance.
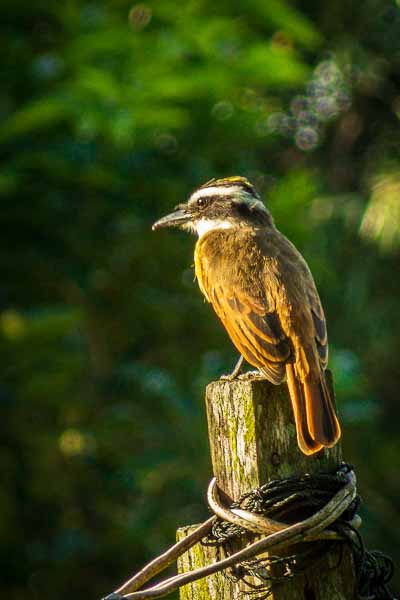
(234, 375)
(229, 377)
(250, 375)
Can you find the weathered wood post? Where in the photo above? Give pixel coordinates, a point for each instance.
(252, 441)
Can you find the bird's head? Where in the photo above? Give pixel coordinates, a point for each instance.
(219, 204)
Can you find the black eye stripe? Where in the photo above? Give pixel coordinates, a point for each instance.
(205, 200)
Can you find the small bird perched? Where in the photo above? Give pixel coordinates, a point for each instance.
(263, 291)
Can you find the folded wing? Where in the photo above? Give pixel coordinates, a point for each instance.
(256, 333)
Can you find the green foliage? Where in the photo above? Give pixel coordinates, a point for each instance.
(111, 113)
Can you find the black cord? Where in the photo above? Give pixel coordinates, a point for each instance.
(289, 500)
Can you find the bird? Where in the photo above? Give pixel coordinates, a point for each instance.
(262, 290)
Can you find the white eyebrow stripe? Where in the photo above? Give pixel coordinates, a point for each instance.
(241, 195)
(214, 190)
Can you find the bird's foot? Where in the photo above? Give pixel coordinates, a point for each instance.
(235, 372)
(251, 375)
(229, 377)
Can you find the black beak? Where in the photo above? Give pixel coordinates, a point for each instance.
(178, 217)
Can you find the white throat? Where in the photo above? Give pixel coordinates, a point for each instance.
(205, 225)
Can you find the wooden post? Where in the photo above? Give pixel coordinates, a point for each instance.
(252, 441)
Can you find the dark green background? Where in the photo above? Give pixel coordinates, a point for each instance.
(112, 113)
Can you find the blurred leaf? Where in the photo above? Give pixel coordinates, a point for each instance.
(274, 66)
(381, 220)
(35, 116)
(290, 20)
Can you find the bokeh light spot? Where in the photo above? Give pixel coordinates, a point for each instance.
(222, 111)
(140, 16)
(166, 143)
(306, 138)
(73, 443)
(274, 121)
(12, 324)
(281, 41)
(299, 104)
(251, 101)
(47, 66)
(326, 107)
(328, 72)
(327, 94)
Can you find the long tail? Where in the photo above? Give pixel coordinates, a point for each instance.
(316, 421)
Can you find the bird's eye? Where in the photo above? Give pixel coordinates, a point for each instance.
(202, 202)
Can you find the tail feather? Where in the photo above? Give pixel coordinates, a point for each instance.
(306, 443)
(314, 413)
(321, 416)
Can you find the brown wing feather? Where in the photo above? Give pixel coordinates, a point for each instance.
(255, 332)
(253, 326)
(318, 317)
